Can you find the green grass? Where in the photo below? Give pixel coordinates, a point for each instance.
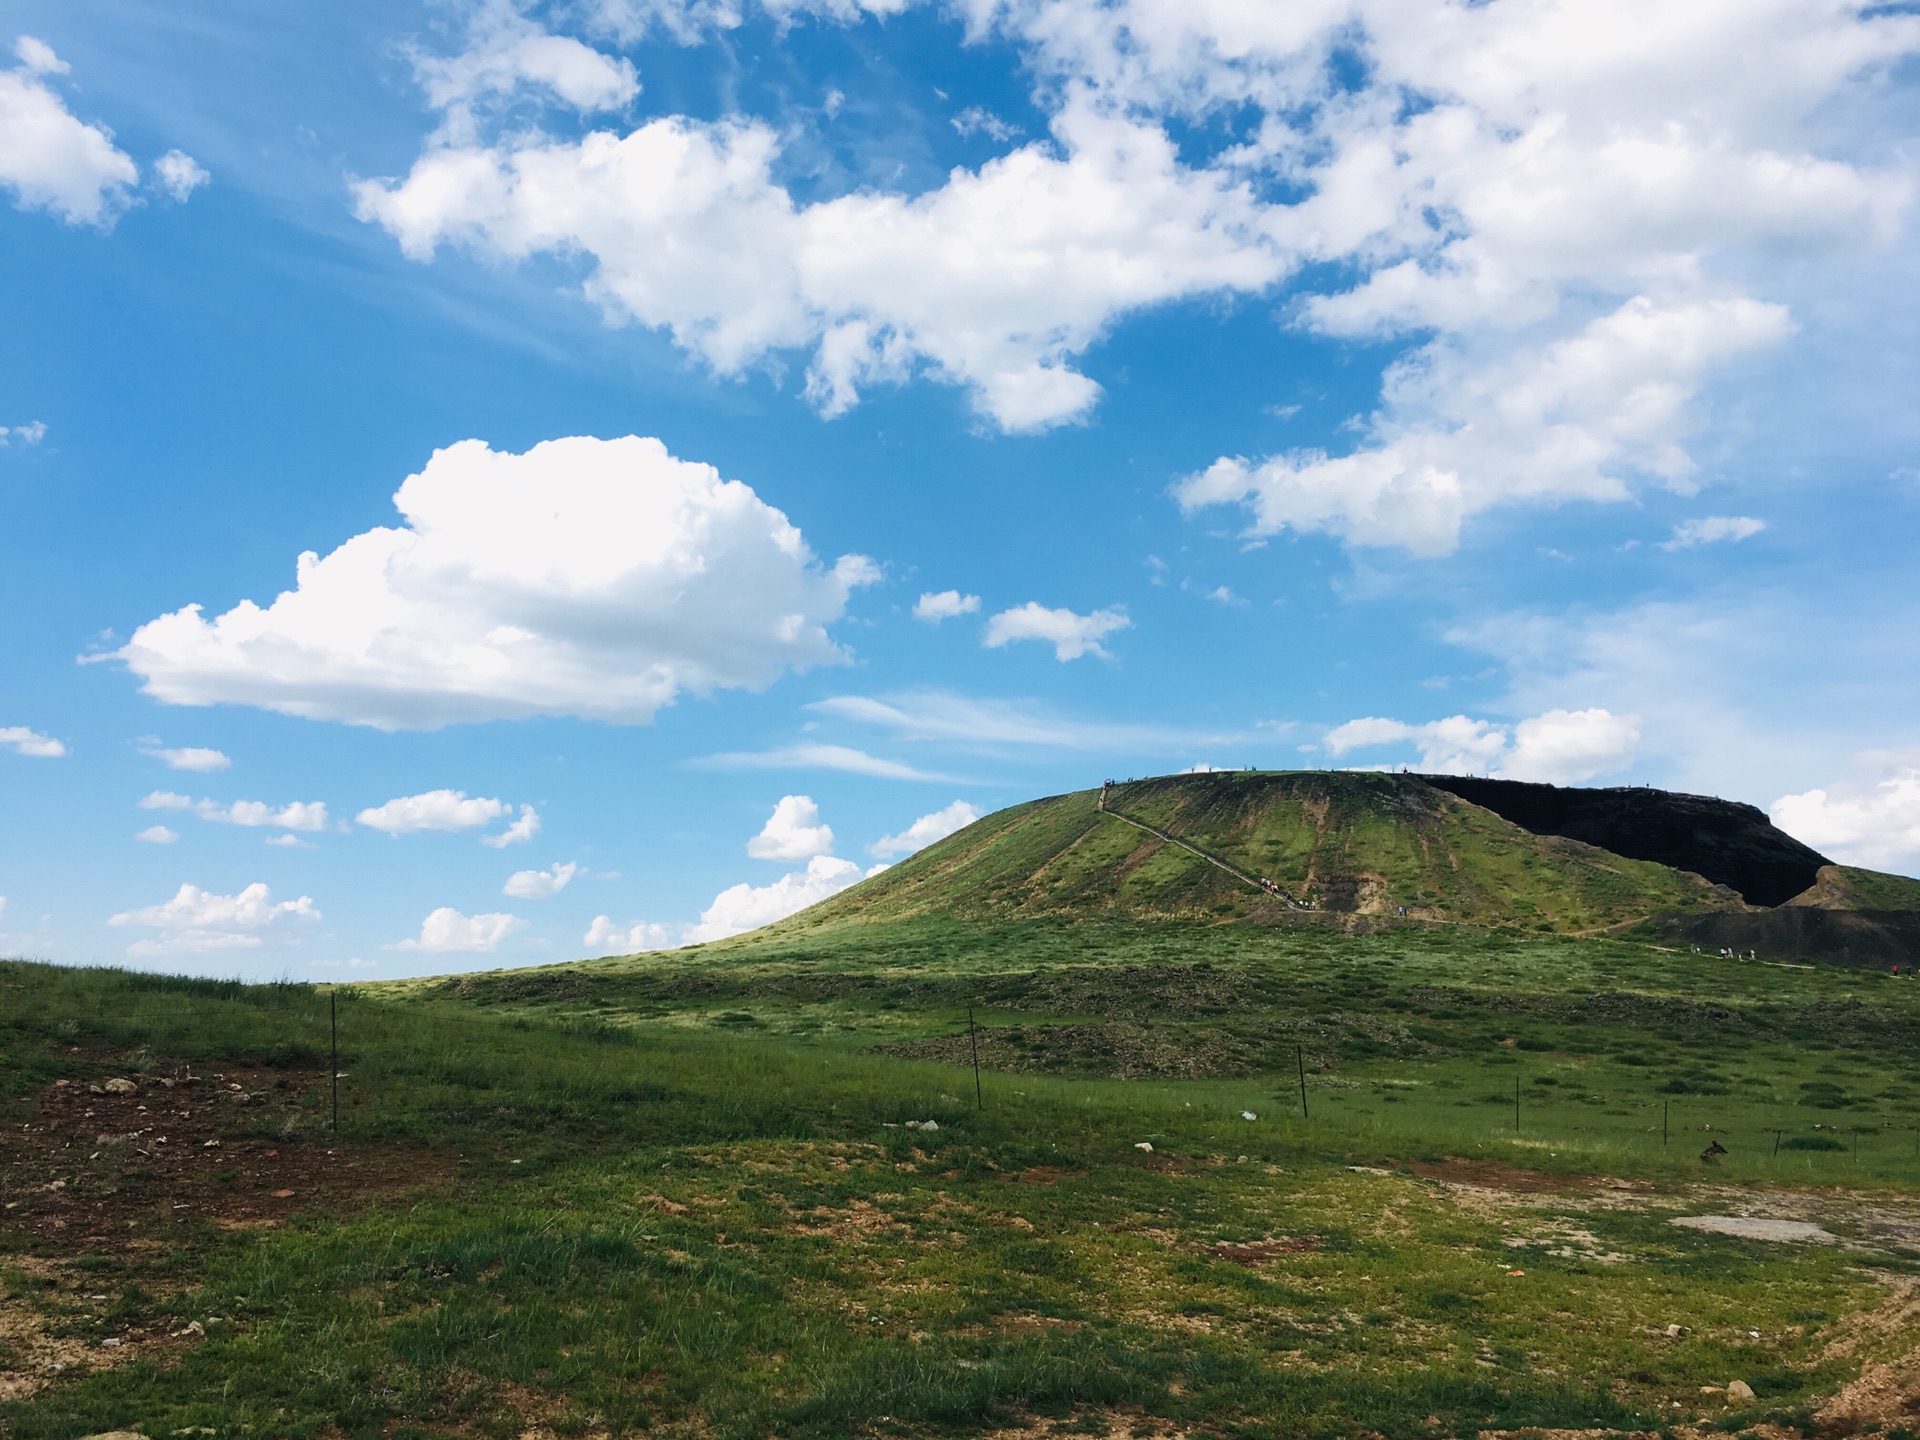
(683, 1190)
(1876, 891)
(1355, 843)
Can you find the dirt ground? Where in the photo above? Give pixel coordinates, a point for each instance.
(104, 1165)
(134, 1168)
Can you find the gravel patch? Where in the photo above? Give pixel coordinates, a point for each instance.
(1753, 1227)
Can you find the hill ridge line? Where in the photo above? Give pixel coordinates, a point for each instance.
(1266, 887)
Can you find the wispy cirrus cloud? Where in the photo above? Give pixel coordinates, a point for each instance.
(816, 756)
(942, 715)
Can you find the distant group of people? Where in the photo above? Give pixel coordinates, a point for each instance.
(1728, 953)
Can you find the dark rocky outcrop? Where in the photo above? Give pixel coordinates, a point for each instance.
(1729, 843)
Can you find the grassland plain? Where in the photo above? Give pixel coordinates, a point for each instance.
(747, 1190)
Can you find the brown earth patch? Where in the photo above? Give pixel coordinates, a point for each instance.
(1259, 1252)
(859, 1222)
(1121, 1425)
(1493, 1175)
(37, 1343)
(1885, 1393)
(1038, 1175)
(1016, 1321)
(106, 1168)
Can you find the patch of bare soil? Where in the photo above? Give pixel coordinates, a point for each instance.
(36, 1348)
(135, 1166)
(1886, 1393)
(1119, 1426)
(131, 1160)
(1047, 1175)
(1492, 1175)
(1259, 1252)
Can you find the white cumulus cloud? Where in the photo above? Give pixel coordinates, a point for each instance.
(508, 56)
(937, 605)
(603, 937)
(525, 826)
(597, 578)
(1071, 635)
(1573, 418)
(1711, 529)
(1874, 824)
(998, 280)
(792, 832)
(539, 884)
(51, 160)
(31, 433)
(1573, 219)
(1570, 215)
(745, 907)
(190, 757)
(447, 931)
(433, 810)
(197, 920)
(157, 835)
(180, 174)
(1558, 747)
(928, 828)
(31, 742)
(294, 815)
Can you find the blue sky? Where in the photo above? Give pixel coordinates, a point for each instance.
(1516, 388)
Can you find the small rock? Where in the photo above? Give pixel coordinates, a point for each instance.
(1146, 1145)
(1739, 1390)
(288, 1194)
(119, 1086)
(1248, 1115)
(115, 1435)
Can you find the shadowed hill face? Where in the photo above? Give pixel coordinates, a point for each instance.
(1730, 844)
(1362, 847)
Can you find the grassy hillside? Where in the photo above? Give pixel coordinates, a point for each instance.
(1331, 1174)
(747, 1190)
(1358, 845)
(1858, 889)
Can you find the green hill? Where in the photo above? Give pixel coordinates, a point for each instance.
(1360, 849)
(1847, 887)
